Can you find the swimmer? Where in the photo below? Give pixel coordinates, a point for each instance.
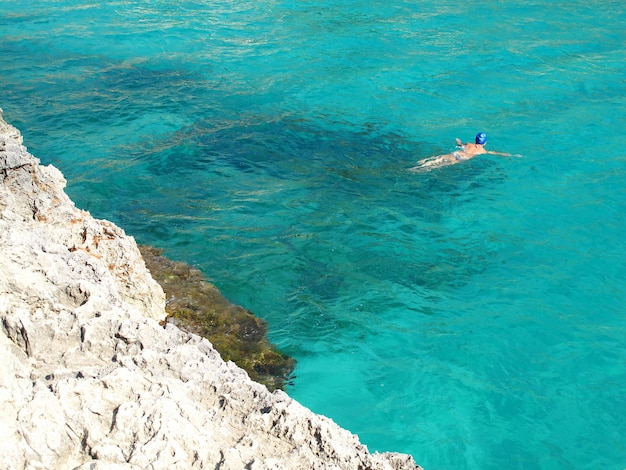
(466, 151)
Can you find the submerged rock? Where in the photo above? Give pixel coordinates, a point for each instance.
(90, 379)
(197, 306)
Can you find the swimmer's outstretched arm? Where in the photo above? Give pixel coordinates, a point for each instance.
(502, 154)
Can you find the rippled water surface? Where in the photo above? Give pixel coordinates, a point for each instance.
(472, 316)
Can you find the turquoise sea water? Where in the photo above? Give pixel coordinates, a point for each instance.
(473, 316)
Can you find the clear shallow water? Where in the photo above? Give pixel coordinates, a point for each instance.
(471, 316)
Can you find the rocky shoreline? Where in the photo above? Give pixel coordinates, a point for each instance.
(90, 377)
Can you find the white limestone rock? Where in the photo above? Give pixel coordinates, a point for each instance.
(91, 380)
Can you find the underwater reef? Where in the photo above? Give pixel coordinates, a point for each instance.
(197, 306)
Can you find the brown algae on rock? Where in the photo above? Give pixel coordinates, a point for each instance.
(197, 306)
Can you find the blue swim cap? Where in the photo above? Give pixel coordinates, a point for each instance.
(481, 138)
